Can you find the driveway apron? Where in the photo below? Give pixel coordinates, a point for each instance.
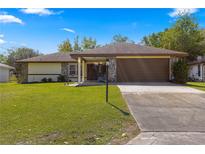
(165, 112)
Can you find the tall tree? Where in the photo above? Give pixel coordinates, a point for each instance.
(65, 46)
(89, 43)
(15, 54)
(153, 40)
(76, 46)
(185, 35)
(3, 58)
(121, 39)
(188, 36)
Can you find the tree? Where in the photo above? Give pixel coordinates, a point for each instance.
(65, 46)
(180, 71)
(76, 46)
(203, 42)
(3, 59)
(155, 39)
(15, 54)
(188, 36)
(121, 39)
(89, 43)
(184, 36)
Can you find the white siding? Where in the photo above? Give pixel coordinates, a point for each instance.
(38, 71)
(193, 72)
(4, 74)
(74, 77)
(76, 70)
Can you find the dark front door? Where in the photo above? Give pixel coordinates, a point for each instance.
(91, 72)
(94, 71)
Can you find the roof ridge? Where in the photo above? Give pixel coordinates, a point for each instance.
(52, 57)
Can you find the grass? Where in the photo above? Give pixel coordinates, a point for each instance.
(197, 85)
(51, 113)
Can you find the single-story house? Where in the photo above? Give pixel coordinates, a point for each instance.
(5, 72)
(127, 63)
(197, 69)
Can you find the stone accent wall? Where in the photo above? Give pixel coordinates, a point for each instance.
(112, 70)
(64, 70)
(22, 72)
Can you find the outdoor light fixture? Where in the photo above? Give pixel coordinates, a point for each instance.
(107, 64)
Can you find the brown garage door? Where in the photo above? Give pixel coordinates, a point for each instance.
(142, 70)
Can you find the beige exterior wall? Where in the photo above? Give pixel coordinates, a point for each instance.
(44, 68)
(38, 71)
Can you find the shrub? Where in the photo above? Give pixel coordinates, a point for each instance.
(50, 80)
(180, 71)
(44, 80)
(61, 78)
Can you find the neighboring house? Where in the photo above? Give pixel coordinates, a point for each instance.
(5, 72)
(127, 63)
(197, 69)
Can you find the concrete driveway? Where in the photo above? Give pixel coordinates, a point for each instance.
(166, 112)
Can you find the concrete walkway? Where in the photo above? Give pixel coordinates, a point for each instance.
(169, 138)
(166, 113)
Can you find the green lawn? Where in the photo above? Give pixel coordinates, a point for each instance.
(197, 85)
(51, 113)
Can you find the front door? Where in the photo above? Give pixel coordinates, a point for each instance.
(91, 72)
(95, 71)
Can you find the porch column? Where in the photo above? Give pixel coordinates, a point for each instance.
(83, 70)
(201, 71)
(79, 69)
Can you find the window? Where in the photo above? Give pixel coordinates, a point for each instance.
(199, 70)
(72, 69)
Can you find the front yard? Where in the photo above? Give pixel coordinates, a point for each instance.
(52, 113)
(197, 85)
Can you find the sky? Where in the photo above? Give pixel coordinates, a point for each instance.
(43, 29)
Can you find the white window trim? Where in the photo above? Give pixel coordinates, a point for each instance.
(76, 73)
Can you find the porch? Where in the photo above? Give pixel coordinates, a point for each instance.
(91, 70)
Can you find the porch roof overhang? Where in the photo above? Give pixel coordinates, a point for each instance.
(197, 62)
(94, 59)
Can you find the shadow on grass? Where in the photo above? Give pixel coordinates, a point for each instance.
(123, 112)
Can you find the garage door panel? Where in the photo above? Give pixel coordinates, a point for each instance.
(142, 70)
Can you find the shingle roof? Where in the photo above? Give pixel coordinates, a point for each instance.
(55, 57)
(6, 66)
(116, 49)
(126, 49)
